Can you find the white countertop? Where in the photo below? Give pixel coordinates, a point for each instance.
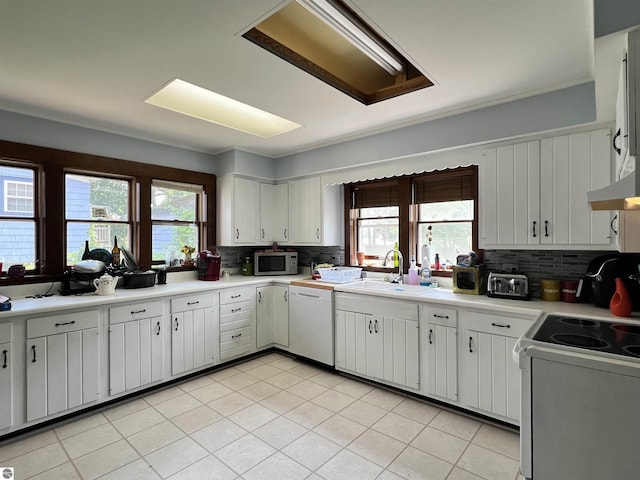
(185, 285)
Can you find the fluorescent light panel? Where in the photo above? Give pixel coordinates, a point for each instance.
(342, 24)
(188, 99)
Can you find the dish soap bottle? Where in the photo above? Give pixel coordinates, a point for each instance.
(414, 273)
(396, 258)
(425, 276)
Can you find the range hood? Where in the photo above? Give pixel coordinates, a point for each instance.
(624, 194)
(621, 195)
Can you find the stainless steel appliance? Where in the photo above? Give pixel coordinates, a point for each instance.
(508, 285)
(580, 389)
(279, 262)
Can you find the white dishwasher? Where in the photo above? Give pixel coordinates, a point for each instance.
(311, 323)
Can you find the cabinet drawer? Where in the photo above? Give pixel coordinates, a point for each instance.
(235, 320)
(497, 324)
(69, 322)
(135, 311)
(5, 332)
(233, 295)
(192, 302)
(442, 316)
(234, 308)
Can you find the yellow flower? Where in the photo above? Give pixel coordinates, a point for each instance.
(187, 249)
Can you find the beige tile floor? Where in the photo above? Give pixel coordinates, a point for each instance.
(270, 418)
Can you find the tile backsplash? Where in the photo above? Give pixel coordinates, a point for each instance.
(232, 257)
(538, 264)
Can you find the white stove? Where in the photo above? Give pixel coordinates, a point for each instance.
(580, 399)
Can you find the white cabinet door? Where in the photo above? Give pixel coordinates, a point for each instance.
(379, 347)
(6, 391)
(274, 212)
(490, 377)
(135, 354)
(442, 361)
(57, 377)
(571, 166)
(510, 194)
(272, 316)
(305, 203)
(246, 201)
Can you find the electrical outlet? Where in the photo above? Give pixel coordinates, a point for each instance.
(238, 257)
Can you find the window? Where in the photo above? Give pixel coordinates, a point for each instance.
(57, 200)
(18, 197)
(425, 214)
(17, 217)
(176, 217)
(96, 209)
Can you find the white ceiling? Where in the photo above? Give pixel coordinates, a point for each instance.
(93, 62)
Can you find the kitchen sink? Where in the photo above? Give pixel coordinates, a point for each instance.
(388, 287)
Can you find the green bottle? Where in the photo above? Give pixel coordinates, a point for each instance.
(396, 259)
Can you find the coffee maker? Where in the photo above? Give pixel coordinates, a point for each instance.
(208, 266)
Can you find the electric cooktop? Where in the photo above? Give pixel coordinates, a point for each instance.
(589, 334)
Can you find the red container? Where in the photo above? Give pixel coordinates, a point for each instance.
(208, 266)
(568, 291)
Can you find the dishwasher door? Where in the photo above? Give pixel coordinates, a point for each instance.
(311, 326)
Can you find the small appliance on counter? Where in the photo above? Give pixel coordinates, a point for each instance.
(470, 280)
(280, 262)
(208, 265)
(599, 283)
(508, 285)
(79, 278)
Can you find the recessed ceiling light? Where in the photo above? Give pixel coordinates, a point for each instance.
(188, 99)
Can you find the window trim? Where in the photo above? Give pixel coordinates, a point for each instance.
(50, 166)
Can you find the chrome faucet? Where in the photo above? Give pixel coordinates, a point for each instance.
(399, 279)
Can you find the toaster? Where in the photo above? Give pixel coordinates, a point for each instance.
(508, 285)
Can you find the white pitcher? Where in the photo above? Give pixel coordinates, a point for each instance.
(105, 285)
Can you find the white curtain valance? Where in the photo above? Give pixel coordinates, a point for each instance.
(423, 162)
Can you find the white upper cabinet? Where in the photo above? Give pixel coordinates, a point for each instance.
(315, 212)
(238, 206)
(534, 193)
(274, 212)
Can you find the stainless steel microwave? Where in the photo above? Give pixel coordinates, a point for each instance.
(275, 263)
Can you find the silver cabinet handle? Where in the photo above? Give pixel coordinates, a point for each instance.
(259, 297)
(501, 325)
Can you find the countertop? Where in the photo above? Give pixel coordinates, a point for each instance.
(28, 306)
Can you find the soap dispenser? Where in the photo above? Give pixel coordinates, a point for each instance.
(414, 273)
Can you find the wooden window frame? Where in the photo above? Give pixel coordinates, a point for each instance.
(408, 241)
(51, 165)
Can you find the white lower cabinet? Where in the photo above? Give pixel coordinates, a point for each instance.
(439, 347)
(6, 374)
(272, 316)
(490, 378)
(378, 339)
(237, 322)
(136, 333)
(194, 332)
(62, 363)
